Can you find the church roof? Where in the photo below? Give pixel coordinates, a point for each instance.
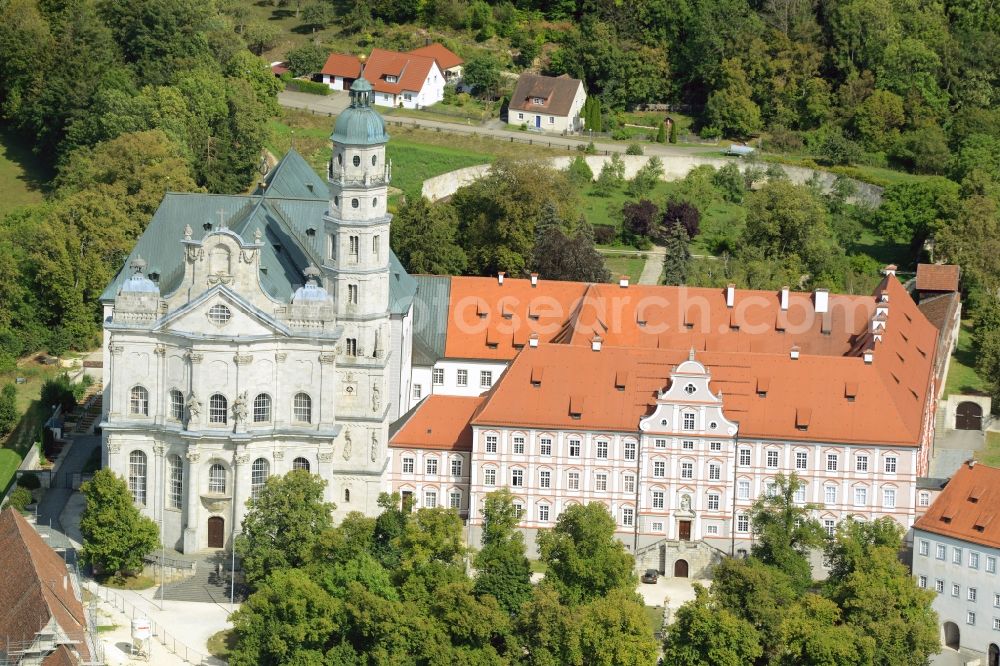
(430, 320)
(293, 178)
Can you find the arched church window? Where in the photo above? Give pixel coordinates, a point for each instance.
(218, 409)
(138, 401)
(300, 463)
(374, 159)
(262, 408)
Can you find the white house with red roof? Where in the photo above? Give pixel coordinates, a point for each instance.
(340, 71)
(410, 80)
(956, 547)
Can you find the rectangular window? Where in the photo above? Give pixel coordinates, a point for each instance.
(602, 449)
(996, 624)
(830, 526)
(714, 472)
(860, 497)
(519, 444)
(831, 462)
(996, 600)
(922, 582)
(956, 590)
(351, 346)
(743, 489)
(971, 594)
(687, 445)
(629, 450)
(520, 116)
(657, 526)
(715, 446)
(518, 510)
(956, 555)
(801, 460)
(689, 421)
(331, 247)
(574, 448)
(889, 498)
(463, 378)
(991, 564)
(711, 529)
(744, 457)
(629, 483)
(455, 500)
(890, 464)
(573, 480)
(355, 244)
(659, 469)
(939, 586)
(456, 467)
(660, 443)
(713, 502)
(601, 482)
(545, 446)
(407, 465)
(743, 523)
(489, 477)
(973, 560)
(485, 378)
(418, 391)
(940, 551)
(830, 494)
(430, 499)
(552, 120)
(800, 494)
(628, 516)
(924, 547)
(176, 481)
(517, 477)
(970, 618)
(376, 245)
(437, 375)
(772, 459)
(687, 470)
(658, 499)
(491, 443)
(543, 513)
(431, 467)
(861, 464)
(545, 479)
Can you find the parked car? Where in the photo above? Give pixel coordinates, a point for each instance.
(651, 576)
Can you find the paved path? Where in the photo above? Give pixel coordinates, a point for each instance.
(51, 507)
(338, 101)
(654, 266)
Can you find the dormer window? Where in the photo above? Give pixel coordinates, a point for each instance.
(537, 100)
(389, 78)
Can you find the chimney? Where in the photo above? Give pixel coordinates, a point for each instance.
(500, 278)
(822, 300)
(890, 270)
(784, 298)
(869, 356)
(533, 340)
(623, 282)
(595, 343)
(534, 280)
(972, 463)
(794, 353)
(730, 295)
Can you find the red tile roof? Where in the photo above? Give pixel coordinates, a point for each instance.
(279, 68)
(36, 587)
(343, 65)
(556, 92)
(439, 422)
(968, 508)
(937, 277)
(444, 58)
(410, 71)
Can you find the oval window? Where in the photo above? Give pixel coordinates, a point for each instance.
(357, 160)
(355, 203)
(374, 202)
(374, 158)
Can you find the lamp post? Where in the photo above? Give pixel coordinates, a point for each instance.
(232, 576)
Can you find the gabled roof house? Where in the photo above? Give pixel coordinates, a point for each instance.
(547, 103)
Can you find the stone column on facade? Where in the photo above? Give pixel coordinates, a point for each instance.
(160, 409)
(241, 461)
(157, 496)
(193, 504)
(117, 379)
(277, 403)
(197, 404)
(327, 386)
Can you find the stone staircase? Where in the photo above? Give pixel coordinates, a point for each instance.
(206, 585)
(93, 402)
(661, 555)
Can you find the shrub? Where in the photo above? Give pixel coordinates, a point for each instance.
(673, 132)
(579, 171)
(20, 498)
(620, 134)
(661, 133)
(591, 149)
(311, 87)
(634, 149)
(29, 481)
(604, 234)
(58, 391)
(709, 132)
(8, 409)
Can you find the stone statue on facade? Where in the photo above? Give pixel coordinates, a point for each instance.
(240, 408)
(347, 444)
(374, 453)
(194, 409)
(376, 398)
(685, 502)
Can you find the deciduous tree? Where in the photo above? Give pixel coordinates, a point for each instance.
(115, 535)
(502, 569)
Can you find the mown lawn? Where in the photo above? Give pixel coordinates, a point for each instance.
(962, 375)
(625, 264)
(473, 112)
(990, 454)
(21, 175)
(17, 443)
(654, 615)
(221, 643)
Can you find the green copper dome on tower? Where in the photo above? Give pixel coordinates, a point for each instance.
(360, 124)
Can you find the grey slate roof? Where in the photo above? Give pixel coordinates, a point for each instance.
(430, 318)
(292, 204)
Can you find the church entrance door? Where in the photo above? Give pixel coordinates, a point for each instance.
(216, 532)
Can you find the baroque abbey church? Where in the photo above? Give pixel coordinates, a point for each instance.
(250, 335)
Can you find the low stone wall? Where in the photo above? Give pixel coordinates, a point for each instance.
(674, 168)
